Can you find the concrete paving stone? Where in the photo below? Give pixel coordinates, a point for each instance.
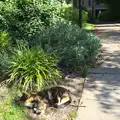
(111, 79)
(110, 64)
(93, 111)
(102, 92)
(104, 70)
(84, 112)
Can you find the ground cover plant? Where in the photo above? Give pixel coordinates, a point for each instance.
(13, 112)
(10, 110)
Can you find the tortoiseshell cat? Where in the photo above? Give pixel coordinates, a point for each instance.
(54, 97)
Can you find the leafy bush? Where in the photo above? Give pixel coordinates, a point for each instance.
(71, 14)
(24, 18)
(83, 52)
(32, 69)
(74, 46)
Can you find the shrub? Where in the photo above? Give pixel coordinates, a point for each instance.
(74, 46)
(32, 69)
(83, 52)
(24, 18)
(71, 14)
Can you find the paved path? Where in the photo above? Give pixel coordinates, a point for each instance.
(101, 95)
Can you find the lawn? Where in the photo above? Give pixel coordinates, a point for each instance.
(88, 26)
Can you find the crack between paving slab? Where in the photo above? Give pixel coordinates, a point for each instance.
(103, 73)
(97, 99)
(93, 83)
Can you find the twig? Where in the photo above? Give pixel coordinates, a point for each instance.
(78, 105)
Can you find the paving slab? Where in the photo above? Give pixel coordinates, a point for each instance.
(101, 99)
(84, 112)
(101, 96)
(111, 79)
(104, 70)
(102, 93)
(94, 111)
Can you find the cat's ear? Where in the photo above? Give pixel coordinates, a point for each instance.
(24, 97)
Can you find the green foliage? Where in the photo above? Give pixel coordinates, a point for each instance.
(13, 112)
(75, 47)
(41, 23)
(32, 69)
(24, 18)
(84, 16)
(71, 115)
(4, 62)
(88, 26)
(5, 41)
(5, 45)
(84, 71)
(71, 14)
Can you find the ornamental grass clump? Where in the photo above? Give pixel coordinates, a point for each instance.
(31, 69)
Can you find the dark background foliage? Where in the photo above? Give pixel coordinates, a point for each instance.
(113, 11)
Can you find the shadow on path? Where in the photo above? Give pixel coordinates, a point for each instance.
(103, 83)
(106, 90)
